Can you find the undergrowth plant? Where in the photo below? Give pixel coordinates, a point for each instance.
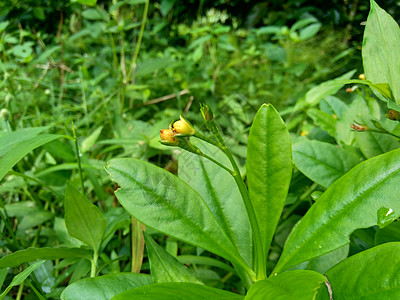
(240, 218)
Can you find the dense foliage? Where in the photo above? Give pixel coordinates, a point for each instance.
(86, 88)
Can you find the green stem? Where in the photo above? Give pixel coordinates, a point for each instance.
(217, 163)
(206, 139)
(94, 264)
(78, 157)
(260, 265)
(139, 42)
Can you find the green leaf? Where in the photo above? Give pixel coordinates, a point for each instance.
(323, 120)
(390, 233)
(104, 287)
(348, 204)
(164, 202)
(86, 2)
(20, 278)
(83, 219)
(176, 291)
(19, 150)
(164, 267)
(220, 192)
(298, 284)
(204, 260)
(88, 143)
(15, 137)
(31, 254)
(368, 275)
(269, 170)
(323, 163)
(381, 57)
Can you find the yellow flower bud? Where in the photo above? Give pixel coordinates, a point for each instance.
(183, 127)
(361, 76)
(167, 137)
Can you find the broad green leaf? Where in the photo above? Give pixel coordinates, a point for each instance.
(15, 137)
(323, 263)
(269, 170)
(19, 150)
(176, 291)
(369, 275)
(323, 120)
(104, 287)
(83, 219)
(31, 254)
(20, 278)
(381, 57)
(298, 284)
(164, 202)
(390, 233)
(323, 163)
(348, 204)
(220, 192)
(164, 267)
(333, 106)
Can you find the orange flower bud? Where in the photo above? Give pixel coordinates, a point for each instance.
(394, 115)
(183, 127)
(167, 137)
(359, 127)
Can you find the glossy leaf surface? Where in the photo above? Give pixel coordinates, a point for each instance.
(323, 163)
(349, 203)
(369, 275)
(84, 220)
(298, 284)
(269, 169)
(164, 202)
(176, 291)
(164, 267)
(381, 57)
(31, 254)
(220, 192)
(104, 287)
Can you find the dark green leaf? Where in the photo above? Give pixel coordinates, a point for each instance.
(322, 162)
(83, 219)
(164, 267)
(164, 202)
(349, 203)
(269, 169)
(298, 284)
(104, 287)
(176, 291)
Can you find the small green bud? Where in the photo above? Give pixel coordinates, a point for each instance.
(206, 113)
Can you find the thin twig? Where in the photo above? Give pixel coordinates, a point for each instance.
(167, 97)
(188, 105)
(329, 287)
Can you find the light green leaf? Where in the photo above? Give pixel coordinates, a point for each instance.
(104, 287)
(164, 267)
(348, 204)
(176, 291)
(31, 254)
(323, 120)
(269, 170)
(381, 57)
(298, 284)
(83, 219)
(19, 150)
(164, 202)
(323, 163)
(369, 275)
(90, 140)
(20, 278)
(220, 192)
